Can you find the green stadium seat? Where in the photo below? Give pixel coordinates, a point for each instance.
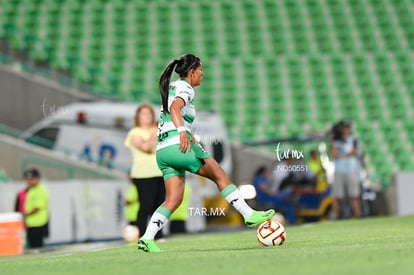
(314, 71)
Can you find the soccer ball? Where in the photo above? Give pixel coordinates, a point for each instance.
(271, 233)
(131, 233)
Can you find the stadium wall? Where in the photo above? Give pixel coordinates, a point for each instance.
(86, 210)
(245, 162)
(399, 194)
(16, 155)
(80, 210)
(27, 98)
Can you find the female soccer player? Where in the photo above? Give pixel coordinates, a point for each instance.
(178, 151)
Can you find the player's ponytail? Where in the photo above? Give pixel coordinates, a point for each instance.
(165, 83)
(181, 66)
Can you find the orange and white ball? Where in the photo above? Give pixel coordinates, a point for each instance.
(271, 233)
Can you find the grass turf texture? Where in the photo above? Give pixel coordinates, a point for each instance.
(367, 246)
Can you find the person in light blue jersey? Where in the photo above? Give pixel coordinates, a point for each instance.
(344, 150)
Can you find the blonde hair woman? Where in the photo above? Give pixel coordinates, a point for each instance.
(145, 174)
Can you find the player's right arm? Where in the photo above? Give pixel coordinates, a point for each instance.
(175, 112)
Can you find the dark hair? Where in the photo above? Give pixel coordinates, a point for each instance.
(181, 67)
(260, 170)
(313, 151)
(31, 173)
(338, 129)
(139, 109)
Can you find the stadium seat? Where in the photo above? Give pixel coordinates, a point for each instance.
(293, 63)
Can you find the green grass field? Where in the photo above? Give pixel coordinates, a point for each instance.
(367, 246)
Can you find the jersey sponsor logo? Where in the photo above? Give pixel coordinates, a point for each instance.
(162, 136)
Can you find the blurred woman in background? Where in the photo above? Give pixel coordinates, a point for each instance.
(145, 174)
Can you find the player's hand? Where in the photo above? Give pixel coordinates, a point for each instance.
(185, 143)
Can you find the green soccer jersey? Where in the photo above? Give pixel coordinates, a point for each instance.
(167, 132)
